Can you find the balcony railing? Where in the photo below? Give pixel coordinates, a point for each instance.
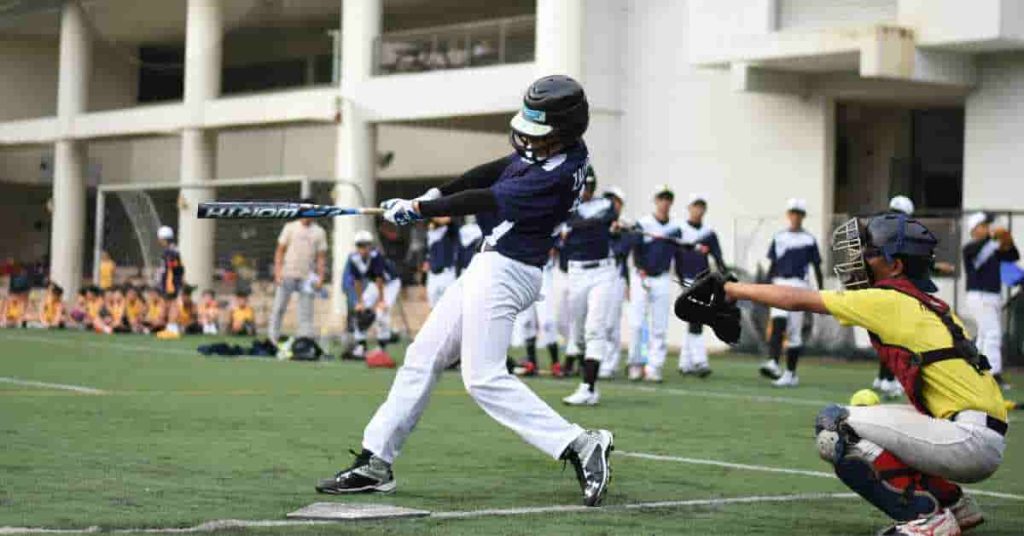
(458, 46)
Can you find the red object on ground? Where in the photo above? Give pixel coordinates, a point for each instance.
(379, 359)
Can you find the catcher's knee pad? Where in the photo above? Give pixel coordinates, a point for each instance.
(902, 492)
(832, 435)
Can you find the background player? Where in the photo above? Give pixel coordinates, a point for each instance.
(693, 356)
(650, 287)
(372, 285)
(300, 266)
(620, 292)
(442, 252)
(593, 273)
(172, 280)
(530, 194)
(537, 325)
(792, 250)
(903, 459)
(982, 255)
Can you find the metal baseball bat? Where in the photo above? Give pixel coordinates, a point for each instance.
(274, 210)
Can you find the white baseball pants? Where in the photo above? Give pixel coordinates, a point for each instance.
(538, 320)
(649, 302)
(438, 283)
(985, 307)
(591, 292)
(795, 319)
(963, 451)
(485, 300)
(383, 321)
(610, 362)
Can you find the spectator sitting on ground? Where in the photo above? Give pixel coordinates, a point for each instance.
(51, 313)
(209, 313)
(93, 306)
(15, 309)
(134, 309)
(77, 315)
(243, 318)
(188, 314)
(156, 313)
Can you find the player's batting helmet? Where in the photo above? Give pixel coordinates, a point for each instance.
(892, 235)
(552, 106)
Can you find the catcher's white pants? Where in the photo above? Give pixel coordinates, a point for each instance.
(591, 292)
(485, 301)
(985, 307)
(438, 283)
(649, 302)
(794, 319)
(610, 362)
(962, 451)
(383, 320)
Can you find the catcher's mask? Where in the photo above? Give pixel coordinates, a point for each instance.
(888, 235)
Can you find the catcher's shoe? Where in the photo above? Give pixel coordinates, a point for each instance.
(556, 370)
(635, 373)
(367, 474)
(583, 396)
(770, 369)
(938, 524)
(589, 455)
(967, 513)
(525, 368)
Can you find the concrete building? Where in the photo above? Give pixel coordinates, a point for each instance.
(841, 102)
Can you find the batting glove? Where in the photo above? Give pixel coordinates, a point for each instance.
(400, 211)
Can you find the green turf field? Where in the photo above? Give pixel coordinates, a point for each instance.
(176, 440)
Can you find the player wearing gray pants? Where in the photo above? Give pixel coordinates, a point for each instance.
(300, 263)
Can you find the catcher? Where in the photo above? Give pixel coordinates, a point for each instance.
(902, 459)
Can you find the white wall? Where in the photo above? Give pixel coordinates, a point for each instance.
(748, 152)
(820, 14)
(28, 79)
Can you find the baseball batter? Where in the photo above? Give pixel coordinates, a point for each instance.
(982, 255)
(792, 251)
(693, 356)
(906, 460)
(593, 274)
(650, 290)
(531, 194)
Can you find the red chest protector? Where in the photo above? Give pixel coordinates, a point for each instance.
(906, 364)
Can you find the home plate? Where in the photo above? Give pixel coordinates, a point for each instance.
(336, 511)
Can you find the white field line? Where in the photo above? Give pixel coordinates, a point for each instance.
(227, 524)
(784, 470)
(47, 385)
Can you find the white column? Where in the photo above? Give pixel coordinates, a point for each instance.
(69, 159)
(354, 156)
(198, 147)
(559, 38)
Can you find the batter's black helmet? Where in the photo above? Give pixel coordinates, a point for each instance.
(552, 106)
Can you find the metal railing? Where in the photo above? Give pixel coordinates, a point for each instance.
(456, 46)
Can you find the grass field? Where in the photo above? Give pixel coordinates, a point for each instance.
(176, 440)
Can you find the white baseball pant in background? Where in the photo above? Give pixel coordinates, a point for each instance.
(610, 362)
(591, 291)
(795, 319)
(473, 321)
(383, 320)
(438, 283)
(538, 320)
(985, 308)
(649, 301)
(963, 451)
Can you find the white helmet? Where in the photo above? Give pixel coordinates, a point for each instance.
(902, 203)
(363, 237)
(165, 233)
(796, 205)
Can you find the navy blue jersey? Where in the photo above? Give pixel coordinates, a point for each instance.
(486, 222)
(691, 262)
(533, 201)
(470, 236)
(588, 234)
(621, 246)
(652, 255)
(366, 270)
(981, 263)
(442, 247)
(791, 253)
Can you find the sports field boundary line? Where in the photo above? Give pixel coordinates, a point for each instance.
(784, 470)
(47, 385)
(228, 524)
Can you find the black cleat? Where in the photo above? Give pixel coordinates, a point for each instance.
(589, 455)
(367, 474)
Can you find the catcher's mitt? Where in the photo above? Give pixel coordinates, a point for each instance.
(365, 319)
(704, 301)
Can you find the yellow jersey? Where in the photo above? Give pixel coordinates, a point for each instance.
(106, 279)
(52, 311)
(155, 313)
(949, 386)
(241, 315)
(93, 309)
(14, 309)
(133, 310)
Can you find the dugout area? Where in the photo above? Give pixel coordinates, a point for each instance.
(172, 440)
